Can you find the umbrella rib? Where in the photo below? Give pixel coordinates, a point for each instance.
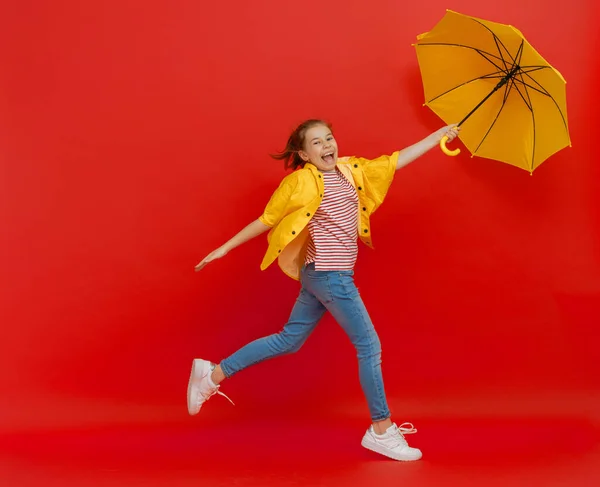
(551, 97)
(500, 51)
(530, 106)
(506, 90)
(497, 40)
(543, 92)
(504, 70)
(533, 68)
(479, 51)
(520, 53)
(485, 76)
(527, 103)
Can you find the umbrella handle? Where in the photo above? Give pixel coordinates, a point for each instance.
(445, 149)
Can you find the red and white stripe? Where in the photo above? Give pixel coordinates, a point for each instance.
(334, 227)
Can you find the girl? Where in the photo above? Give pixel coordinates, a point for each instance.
(315, 218)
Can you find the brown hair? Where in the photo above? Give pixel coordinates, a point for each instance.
(295, 144)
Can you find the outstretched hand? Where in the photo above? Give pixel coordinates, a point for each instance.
(451, 131)
(214, 255)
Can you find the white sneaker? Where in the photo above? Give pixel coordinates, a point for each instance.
(392, 443)
(200, 387)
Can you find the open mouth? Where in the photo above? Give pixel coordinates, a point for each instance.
(328, 157)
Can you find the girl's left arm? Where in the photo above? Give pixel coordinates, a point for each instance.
(410, 153)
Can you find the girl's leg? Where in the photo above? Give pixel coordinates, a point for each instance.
(337, 291)
(305, 315)
(304, 318)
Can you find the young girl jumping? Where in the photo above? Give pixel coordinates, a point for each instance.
(315, 218)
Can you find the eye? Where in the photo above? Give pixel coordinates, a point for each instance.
(316, 142)
(330, 138)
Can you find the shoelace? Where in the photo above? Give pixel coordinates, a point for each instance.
(407, 428)
(404, 429)
(208, 395)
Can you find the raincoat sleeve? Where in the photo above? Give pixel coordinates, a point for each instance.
(279, 201)
(379, 172)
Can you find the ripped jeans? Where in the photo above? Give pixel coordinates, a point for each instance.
(332, 291)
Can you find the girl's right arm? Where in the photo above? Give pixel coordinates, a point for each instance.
(255, 229)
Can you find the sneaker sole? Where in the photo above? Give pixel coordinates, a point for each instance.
(371, 445)
(196, 363)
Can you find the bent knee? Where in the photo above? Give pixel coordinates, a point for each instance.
(369, 346)
(286, 344)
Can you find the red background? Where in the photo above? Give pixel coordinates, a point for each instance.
(135, 139)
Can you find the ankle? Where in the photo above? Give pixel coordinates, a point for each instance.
(380, 427)
(217, 376)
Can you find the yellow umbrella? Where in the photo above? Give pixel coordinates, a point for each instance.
(511, 102)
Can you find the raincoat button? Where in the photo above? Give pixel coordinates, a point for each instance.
(355, 165)
(319, 175)
(366, 231)
(360, 188)
(364, 208)
(308, 214)
(293, 232)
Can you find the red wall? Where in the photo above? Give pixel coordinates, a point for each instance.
(135, 138)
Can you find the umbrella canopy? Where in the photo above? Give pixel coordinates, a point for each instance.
(510, 102)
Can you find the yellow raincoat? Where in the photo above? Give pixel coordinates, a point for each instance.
(299, 195)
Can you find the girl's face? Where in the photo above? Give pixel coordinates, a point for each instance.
(320, 148)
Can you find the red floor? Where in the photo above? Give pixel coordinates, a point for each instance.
(233, 448)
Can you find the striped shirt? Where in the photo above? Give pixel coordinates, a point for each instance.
(333, 243)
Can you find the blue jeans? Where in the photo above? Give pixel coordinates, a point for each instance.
(332, 291)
